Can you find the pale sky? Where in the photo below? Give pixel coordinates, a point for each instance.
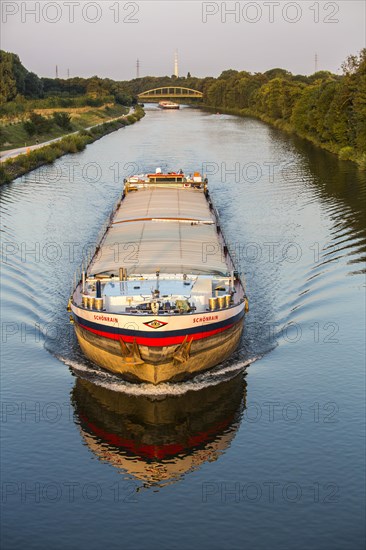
(106, 37)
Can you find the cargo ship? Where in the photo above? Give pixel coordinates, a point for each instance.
(160, 300)
(168, 105)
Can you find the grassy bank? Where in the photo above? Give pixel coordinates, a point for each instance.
(22, 164)
(343, 153)
(13, 133)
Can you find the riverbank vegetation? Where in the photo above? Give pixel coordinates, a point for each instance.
(327, 109)
(74, 143)
(324, 108)
(40, 124)
(34, 110)
(17, 84)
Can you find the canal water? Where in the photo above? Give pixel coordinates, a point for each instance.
(268, 450)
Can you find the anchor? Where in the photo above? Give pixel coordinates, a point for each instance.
(183, 352)
(131, 355)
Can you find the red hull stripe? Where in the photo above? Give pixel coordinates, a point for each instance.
(156, 342)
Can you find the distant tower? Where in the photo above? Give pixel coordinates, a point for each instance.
(56, 71)
(176, 71)
(316, 63)
(138, 68)
(68, 73)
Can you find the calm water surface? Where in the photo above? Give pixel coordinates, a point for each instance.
(268, 451)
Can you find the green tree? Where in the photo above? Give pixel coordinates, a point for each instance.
(33, 86)
(8, 85)
(63, 120)
(37, 124)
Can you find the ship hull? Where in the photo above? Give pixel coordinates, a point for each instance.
(173, 306)
(157, 364)
(166, 105)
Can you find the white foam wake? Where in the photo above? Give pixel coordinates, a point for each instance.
(107, 380)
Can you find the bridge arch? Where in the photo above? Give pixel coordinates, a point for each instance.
(165, 92)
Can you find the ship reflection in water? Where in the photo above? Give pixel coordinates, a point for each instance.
(159, 441)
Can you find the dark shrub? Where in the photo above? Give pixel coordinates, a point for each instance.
(63, 120)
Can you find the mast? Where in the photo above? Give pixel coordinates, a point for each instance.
(176, 71)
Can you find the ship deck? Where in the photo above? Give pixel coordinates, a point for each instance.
(171, 230)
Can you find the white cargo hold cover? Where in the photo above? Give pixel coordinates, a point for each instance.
(170, 230)
(155, 202)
